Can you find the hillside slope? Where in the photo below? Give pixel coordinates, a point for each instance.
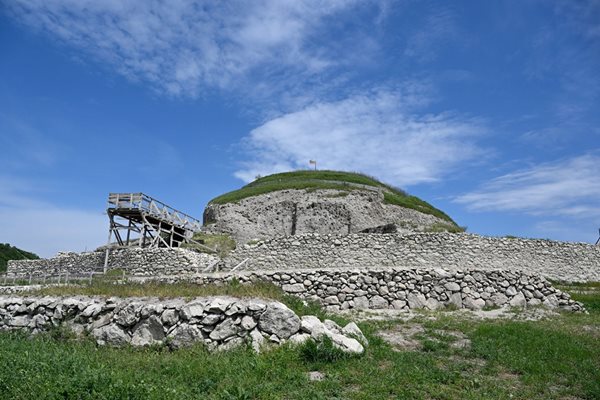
(294, 203)
(8, 252)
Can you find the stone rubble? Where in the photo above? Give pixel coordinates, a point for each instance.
(221, 323)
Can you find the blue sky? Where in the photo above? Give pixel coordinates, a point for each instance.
(488, 110)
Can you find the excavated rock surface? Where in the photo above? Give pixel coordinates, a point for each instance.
(295, 212)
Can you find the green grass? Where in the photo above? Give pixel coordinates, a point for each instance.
(101, 287)
(338, 180)
(444, 227)
(552, 359)
(8, 252)
(221, 244)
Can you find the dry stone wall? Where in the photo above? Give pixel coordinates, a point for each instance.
(407, 289)
(577, 262)
(221, 323)
(134, 261)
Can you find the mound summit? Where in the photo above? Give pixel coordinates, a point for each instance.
(324, 202)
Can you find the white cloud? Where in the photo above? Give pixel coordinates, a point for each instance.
(183, 47)
(569, 187)
(377, 133)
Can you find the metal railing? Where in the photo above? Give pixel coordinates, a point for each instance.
(7, 279)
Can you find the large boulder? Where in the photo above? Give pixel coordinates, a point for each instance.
(279, 320)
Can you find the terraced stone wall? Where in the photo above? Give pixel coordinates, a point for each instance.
(576, 262)
(134, 261)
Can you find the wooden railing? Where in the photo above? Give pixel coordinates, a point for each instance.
(144, 203)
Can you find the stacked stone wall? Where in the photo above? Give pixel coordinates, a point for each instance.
(134, 261)
(389, 288)
(221, 323)
(405, 289)
(577, 262)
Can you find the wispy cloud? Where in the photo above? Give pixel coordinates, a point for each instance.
(187, 47)
(379, 132)
(438, 28)
(569, 187)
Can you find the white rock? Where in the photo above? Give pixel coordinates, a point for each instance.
(473, 304)
(92, 310)
(452, 286)
(248, 323)
(295, 288)
(185, 335)
(224, 330)
(148, 332)
(378, 302)
(456, 300)
(111, 335)
(299, 338)
(279, 320)
(332, 326)
(416, 300)
(346, 344)
(309, 322)
(518, 301)
(353, 330)
(192, 310)
(361, 303)
(258, 341)
(432, 304)
(211, 319)
(169, 317)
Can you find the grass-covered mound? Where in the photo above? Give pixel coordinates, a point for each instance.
(8, 252)
(314, 180)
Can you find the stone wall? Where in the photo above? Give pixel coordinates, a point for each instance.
(221, 323)
(134, 261)
(406, 289)
(393, 288)
(563, 261)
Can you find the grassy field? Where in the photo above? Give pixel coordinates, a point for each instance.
(557, 358)
(313, 180)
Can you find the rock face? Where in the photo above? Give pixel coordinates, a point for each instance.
(294, 212)
(222, 323)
